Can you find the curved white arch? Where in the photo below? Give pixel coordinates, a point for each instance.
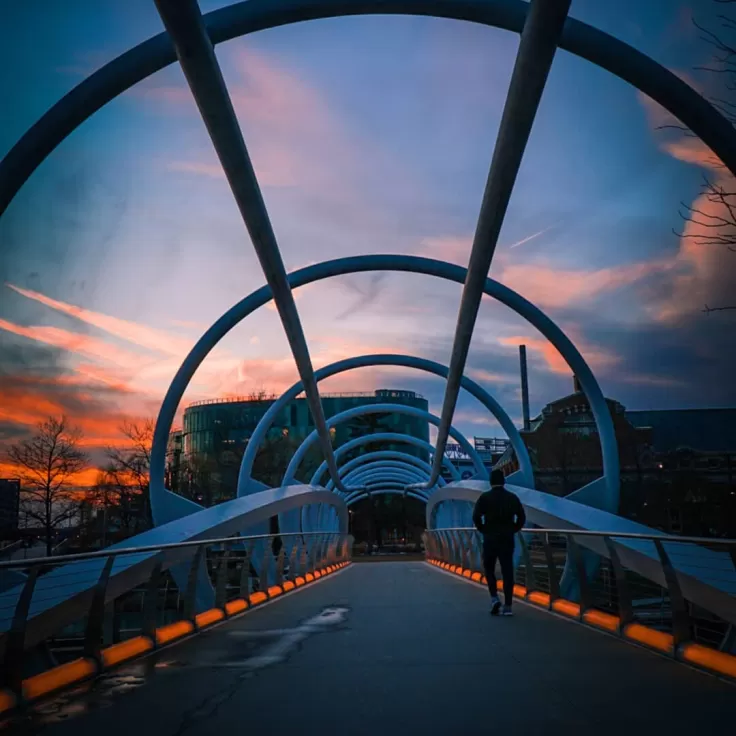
(393, 437)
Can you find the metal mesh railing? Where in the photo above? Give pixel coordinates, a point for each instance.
(168, 585)
(688, 594)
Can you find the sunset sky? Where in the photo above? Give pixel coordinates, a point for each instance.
(369, 134)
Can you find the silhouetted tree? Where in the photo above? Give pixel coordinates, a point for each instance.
(717, 229)
(48, 464)
(128, 469)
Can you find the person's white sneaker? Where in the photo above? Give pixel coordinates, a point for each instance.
(495, 606)
(507, 611)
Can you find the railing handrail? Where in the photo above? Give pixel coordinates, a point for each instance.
(611, 534)
(81, 556)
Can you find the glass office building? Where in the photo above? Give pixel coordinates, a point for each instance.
(218, 430)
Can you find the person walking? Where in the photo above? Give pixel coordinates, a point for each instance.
(499, 515)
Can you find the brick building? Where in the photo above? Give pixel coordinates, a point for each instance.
(678, 467)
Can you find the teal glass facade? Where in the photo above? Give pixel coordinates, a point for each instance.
(219, 430)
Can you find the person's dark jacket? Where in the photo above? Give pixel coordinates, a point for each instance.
(498, 513)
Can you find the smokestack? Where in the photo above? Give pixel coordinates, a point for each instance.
(524, 388)
(576, 385)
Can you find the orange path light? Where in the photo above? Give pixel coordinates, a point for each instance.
(173, 631)
(207, 618)
(236, 606)
(567, 607)
(652, 638)
(710, 659)
(536, 596)
(117, 653)
(7, 700)
(602, 620)
(58, 677)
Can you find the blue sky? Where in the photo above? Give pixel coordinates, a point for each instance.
(370, 134)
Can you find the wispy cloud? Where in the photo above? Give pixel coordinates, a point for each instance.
(597, 357)
(551, 287)
(147, 337)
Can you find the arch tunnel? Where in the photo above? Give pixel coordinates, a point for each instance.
(315, 515)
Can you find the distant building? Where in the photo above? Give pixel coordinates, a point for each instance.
(9, 504)
(490, 449)
(565, 451)
(215, 433)
(174, 449)
(677, 466)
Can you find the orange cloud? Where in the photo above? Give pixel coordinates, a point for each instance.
(550, 287)
(147, 337)
(702, 271)
(479, 374)
(451, 249)
(596, 357)
(90, 347)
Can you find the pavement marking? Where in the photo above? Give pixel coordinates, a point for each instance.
(289, 639)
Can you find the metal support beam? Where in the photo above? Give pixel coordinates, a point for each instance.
(539, 40)
(196, 54)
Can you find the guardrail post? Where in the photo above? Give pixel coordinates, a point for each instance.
(150, 603)
(573, 550)
(554, 583)
(190, 595)
(530, 582)
(13, 656)
(293, 559)
(245, 576)
(280, 567)
(96, 615)
(304, 557)
(463, 541)
(265, 565)
(623, 593)
(446, 547)
(457, 558)
(312, 557)
(681, 628)
(221, 581)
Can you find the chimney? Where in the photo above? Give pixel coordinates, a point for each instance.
(524, 388)
(578, 389)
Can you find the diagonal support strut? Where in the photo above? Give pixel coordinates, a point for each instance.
(194, 49)
(539, 40)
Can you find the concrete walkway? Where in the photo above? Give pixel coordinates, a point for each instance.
(395, 648)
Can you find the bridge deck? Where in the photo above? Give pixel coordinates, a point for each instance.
(406, 649)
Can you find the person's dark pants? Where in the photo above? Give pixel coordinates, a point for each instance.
(503, 551)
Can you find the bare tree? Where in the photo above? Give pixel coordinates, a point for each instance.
(120, 497)
(128, 469)
(718, 227)
(48, 463)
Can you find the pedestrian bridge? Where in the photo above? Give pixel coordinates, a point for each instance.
(382, 647)
(208, 622)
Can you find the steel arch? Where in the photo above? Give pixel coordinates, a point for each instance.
(365, 361)
(378, 409)
(369, 477)
(382, 437)
(392, 455)
(162, 500)
(156, 53)
(386, 491)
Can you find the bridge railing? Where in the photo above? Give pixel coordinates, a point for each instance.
(117, 622)
(608, 594)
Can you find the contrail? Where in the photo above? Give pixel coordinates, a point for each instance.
(532, 236)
